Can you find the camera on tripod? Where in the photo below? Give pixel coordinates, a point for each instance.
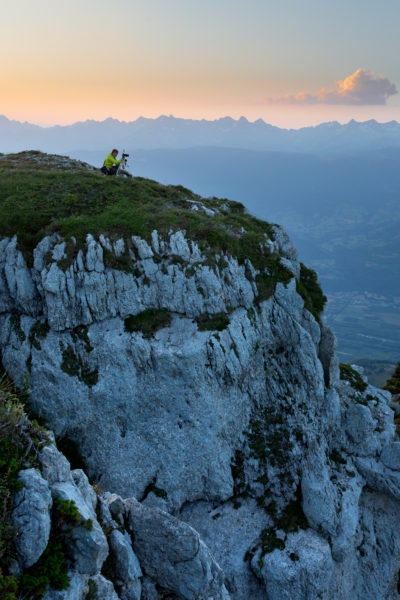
(125, 155)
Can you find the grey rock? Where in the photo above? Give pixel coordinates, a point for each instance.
(31, 517)
(304, 570)
(378, 477)
(360, 425)
(229, 531)
(77, 589)
(328, 356)
(390, 456)
(173, 555)
(82, 483)
(55, 467)
(87, 543)
(104, 589)
(202, 416)
(58, 251)
(104, 516)
(94, 255)
(126, 566)
(142, 247)
(149, 590)
(116, 507)
(344, 541)
(19, 280)
(320, 497)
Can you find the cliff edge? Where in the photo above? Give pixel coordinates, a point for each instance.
(178, 342)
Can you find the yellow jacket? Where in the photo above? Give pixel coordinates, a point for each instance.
(110, 161)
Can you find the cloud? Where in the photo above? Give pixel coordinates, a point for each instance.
(362, 87)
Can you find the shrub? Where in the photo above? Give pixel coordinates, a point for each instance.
(50, 570)
(148, 321)
(347, 373)
(38, 332)
(19, 441)
(310, 290)
(217, 322)
(393, 384)
(8, 587)
(73, 365)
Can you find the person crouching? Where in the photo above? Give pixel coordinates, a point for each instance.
(111, 164)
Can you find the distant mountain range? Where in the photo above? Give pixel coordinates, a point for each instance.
(174, 133)
(335, 188)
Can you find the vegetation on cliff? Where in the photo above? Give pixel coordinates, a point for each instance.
(42, 194)
(393, 384)
(20, 441)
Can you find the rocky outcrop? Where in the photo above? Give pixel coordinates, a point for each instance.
(173, 554)
(31, 517)
(216, 406)
(103, 561)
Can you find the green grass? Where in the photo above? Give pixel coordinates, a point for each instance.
(43, 194)
(75, 202)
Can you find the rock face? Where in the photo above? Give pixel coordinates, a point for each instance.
(253, 470)
(31, 517)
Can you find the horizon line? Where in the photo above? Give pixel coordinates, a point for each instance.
(171, 116)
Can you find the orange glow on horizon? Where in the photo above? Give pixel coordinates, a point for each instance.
(64, 111)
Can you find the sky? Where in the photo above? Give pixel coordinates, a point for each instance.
(290, 62)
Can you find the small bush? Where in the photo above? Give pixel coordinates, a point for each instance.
(337, 458)
(347, 373)
(310, 290)
(66, 512)
(8, 587)
(50, 570)
(148, 321)
(73, 365)
(393, 384)
(267, 280)
(15, 322)
(38, 332)
(19, 441)
(270, 541)
(217, 322)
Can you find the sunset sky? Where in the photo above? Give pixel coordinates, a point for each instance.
(291, 63)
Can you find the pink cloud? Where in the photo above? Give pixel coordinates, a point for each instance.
(362, 87)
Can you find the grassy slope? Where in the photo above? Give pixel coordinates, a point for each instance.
(40, 198)
(41, 194)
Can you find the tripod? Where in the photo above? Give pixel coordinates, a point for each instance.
(124, 164)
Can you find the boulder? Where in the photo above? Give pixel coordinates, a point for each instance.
(31, 517)
(304, 570)
(127, 569)
(87, 543)
(173, 555)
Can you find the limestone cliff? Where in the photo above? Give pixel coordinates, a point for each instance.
(200, 383)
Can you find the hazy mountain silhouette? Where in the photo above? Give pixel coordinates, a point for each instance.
(171, 132)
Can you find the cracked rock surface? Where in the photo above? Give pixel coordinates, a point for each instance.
(240, 465)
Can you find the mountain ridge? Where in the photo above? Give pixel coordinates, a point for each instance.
(170, 132)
